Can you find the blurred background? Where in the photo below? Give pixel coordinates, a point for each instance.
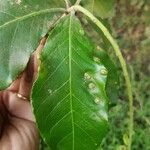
(130, 26)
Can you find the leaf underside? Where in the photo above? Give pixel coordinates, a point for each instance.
(69, 98)
(22, 25)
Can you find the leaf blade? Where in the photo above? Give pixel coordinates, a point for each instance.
(100, 8)
(21, 27)
(75, 114)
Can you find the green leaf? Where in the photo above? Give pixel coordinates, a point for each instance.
(22, 24)
(69, 98)
(105, 44)
(112, 83)
(100, 8)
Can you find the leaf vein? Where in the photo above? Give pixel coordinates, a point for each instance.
(7, 14)
(58, 104)
(56, 48)
(92, 139)
(64, 138)
(52, 73)
(78, 64)
(57, 123)
(86, 106)
(33, 14)
(70, 71)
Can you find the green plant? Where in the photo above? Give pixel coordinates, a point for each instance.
(70, 97)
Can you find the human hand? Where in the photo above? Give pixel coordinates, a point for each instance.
(17, 124)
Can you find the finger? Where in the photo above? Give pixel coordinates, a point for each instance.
(31, 72)
(27, 78)
(3, 115)
(18, 107)
(15, 85)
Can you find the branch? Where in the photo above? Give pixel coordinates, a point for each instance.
(122, 62)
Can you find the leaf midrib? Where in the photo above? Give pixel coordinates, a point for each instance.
(33, 14)
(70, 80)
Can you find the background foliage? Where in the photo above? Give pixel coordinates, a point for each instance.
(130, 25)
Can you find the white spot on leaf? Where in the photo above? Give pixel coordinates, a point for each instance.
(92, 86)
(97, 100)
(96, 59)
(81, 32)
(104, 72)
(50, 91)
(87, 76)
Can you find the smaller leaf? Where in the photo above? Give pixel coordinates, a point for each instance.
(100, 8)
(105, 44)
(22, 25)
(112, 79)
